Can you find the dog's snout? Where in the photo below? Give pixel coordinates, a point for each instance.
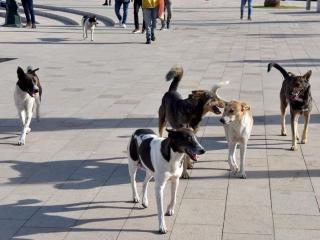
(222, 120)
(202, 151)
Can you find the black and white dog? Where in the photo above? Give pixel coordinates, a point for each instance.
(27, 95)
(162, 158)
(89, 23)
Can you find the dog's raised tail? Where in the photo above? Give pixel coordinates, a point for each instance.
(281, 69)
(175, 73)
(215, 88)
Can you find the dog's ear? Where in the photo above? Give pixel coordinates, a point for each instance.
(244, 107)
(34, 71)
(307, 75)
(20, 72)
(170, 130)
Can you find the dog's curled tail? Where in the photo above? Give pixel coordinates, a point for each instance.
(175, 73)
(281, 69)
(218, 85)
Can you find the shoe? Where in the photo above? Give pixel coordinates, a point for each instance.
(120, 23)
(105, 4)
(249, 19)
(153, 38)
(241, 16)
(33, 26)
(136, 31)
(168, 25)
(143, 30)
(148, 41)
(28, 25)
(123, 25)
(163, 28)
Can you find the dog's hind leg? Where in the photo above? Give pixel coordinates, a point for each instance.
(306, 127)
(283, 108)
(162, 120)
(92, 30)
(294, 130)
(147, 179)
(133, 167)
(243, 149)
(160, 183)
(174, 189)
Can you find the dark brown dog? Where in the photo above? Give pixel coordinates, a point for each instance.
(295, 91)
(187, 112)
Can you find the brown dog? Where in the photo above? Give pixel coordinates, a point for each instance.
(295, 91)
(187, 112)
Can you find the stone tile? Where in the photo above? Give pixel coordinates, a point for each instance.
(9, 227)
(282, 234)
(194, 231)
(41, 233)
(241, 236)
(290, 202)
(302, 222)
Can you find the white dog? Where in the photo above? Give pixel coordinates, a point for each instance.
(27, 95)
(237, 120)
(162, 158)
(89, 23)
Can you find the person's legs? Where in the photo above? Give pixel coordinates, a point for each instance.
(30, 7)
(147, 20)
(243, 3)
(154, 14)
(117, 6)
(136, 7)
(125, 12)
(26, 11)
(169, 12)
(249, 9)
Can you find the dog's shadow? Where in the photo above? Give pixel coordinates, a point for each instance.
(213, 143)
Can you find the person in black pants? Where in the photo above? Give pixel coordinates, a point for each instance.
(136, 6)
(28, 11)
(107, 3)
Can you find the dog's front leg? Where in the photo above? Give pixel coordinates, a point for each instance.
(232, 157)
(294, 129)
(92, 30)
(147, 179)
(174, 189)
(159, 187)
(37, 103)
(84, 32)
(243, 149)
(26, 128)
(185, 174)
(306, 126)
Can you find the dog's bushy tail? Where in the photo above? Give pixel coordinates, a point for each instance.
(218, 85)
(175, 73)
(281, 69)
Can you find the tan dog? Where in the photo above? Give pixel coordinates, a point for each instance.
(237, 121)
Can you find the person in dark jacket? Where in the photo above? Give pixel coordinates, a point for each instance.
(137, 4)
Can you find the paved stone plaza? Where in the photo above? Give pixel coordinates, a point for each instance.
(70, 180)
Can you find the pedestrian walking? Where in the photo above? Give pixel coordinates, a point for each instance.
(137, 4)
(150, 14)
(242, 6)
(28, 11)
(117, 6)
(165, 22)
(107, 3)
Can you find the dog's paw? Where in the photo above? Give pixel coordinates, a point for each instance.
(136, 200)
(283, 133)
(163, 229)
(185, 175)
(170, 212)
(28, 130)
(145, 203)
(304, 141)
(243, 175)
(293, 148)
(21, 142)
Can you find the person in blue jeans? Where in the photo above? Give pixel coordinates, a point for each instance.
(28, 11)
(150, 10)
(243, 4)
(117, 6)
